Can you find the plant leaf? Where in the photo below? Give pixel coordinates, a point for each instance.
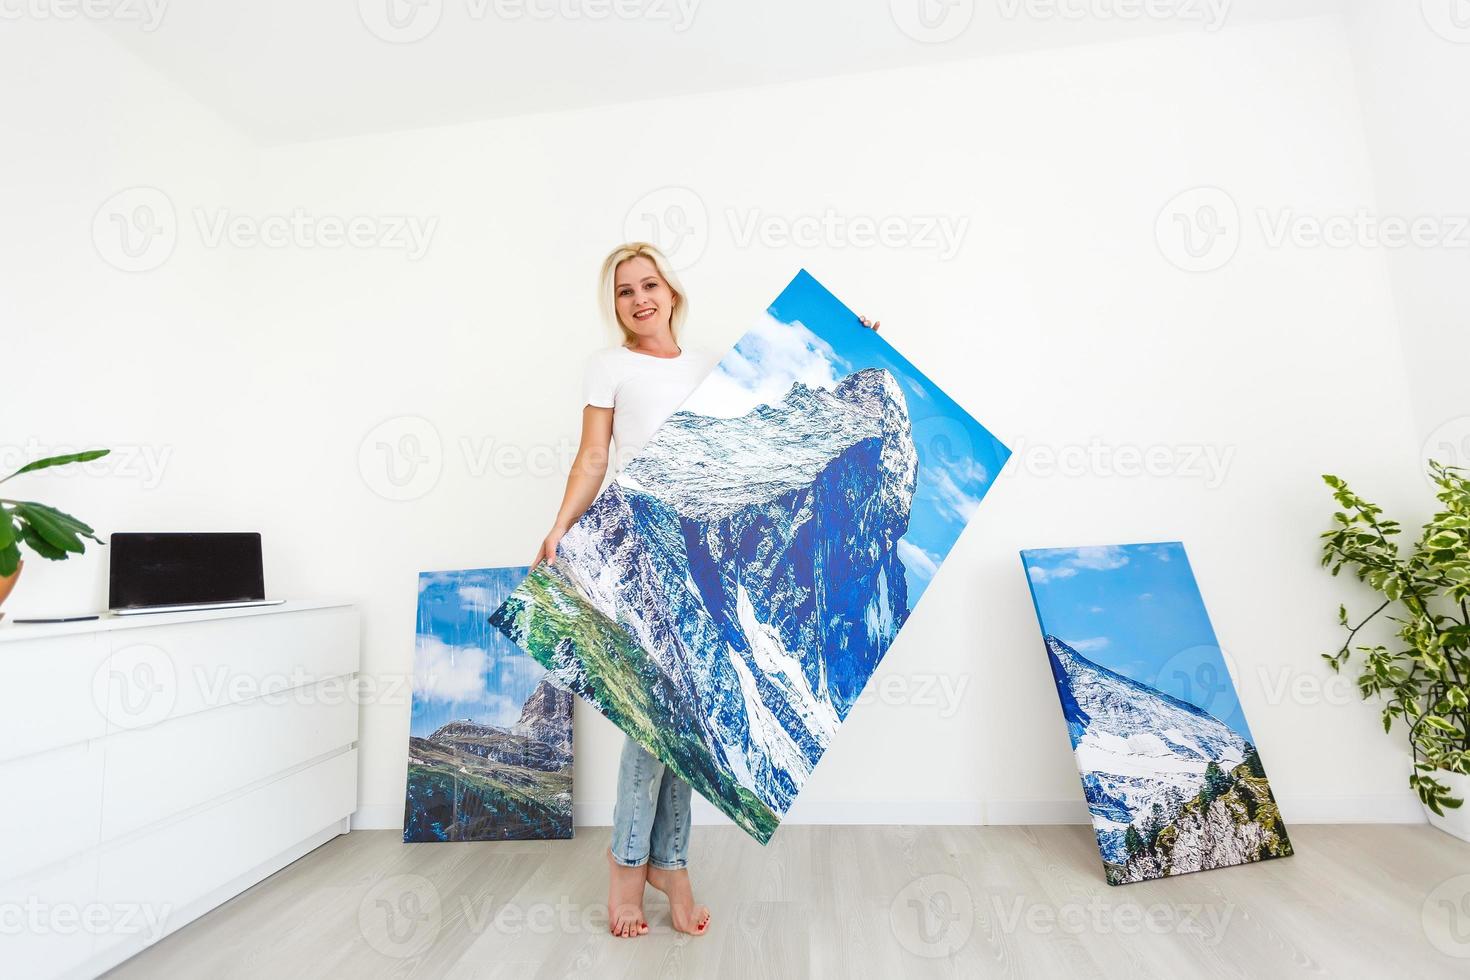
(40, 545)
(42, 464)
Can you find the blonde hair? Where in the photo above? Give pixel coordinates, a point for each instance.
(607, 287)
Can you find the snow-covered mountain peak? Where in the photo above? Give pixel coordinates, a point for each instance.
(708, 468)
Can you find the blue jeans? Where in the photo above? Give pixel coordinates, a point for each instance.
(651, 817)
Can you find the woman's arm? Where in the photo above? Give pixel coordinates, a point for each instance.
(585, 479)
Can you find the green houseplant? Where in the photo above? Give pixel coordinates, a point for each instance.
(1426, 592)
(47, 531)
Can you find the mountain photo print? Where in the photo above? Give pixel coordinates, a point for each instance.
(726, 597)
(1171, 773)
(490, 737)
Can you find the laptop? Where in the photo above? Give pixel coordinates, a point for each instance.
(182, 571)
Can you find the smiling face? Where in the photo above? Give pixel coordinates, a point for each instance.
(644, 301)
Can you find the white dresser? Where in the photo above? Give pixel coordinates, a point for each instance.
(151, 767)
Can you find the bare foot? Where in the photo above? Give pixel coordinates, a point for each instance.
(625, 899)
(688, 917)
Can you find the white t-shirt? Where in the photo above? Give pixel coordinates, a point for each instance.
(642, 390)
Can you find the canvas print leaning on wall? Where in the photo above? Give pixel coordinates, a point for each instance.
(490, 738)
(1171, 772)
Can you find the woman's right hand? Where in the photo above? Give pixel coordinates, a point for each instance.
(548, 547)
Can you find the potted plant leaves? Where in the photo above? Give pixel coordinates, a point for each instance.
(1426, 592)
(47, 531)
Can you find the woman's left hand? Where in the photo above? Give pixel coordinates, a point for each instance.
(870, 324)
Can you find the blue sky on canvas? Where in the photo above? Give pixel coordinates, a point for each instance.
(463, 667)
(1137, 610)
(808, 335)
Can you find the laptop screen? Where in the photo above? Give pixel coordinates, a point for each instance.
(170, 569)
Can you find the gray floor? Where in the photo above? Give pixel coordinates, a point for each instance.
(1354, 901)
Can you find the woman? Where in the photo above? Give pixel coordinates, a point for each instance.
(630, 390)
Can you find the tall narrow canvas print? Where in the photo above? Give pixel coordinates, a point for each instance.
(725, 599)
(490, 740)
(1170, 770)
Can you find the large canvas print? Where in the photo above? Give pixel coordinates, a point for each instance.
(725, 599)
(1171, 772)
(490, 740)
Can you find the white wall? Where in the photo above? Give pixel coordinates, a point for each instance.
(1059, 321)
(1413, 63)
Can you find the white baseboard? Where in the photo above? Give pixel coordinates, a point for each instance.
(1307, 809)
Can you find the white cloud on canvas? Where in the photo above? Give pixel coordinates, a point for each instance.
(759, 370)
